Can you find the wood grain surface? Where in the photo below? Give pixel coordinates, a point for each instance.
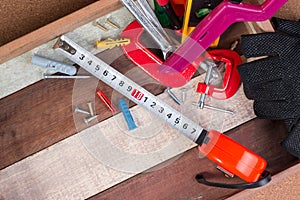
(284, 182)
(42, 114)
(59, 27)
(176, 181)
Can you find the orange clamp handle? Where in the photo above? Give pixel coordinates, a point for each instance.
(232, 156)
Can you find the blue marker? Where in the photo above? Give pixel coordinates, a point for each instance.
(127, 115)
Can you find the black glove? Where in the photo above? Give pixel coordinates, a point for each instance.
(273, 82)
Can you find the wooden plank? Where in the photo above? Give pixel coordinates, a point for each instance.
(284, 185)
(56, 28)
(24, 73)
(91, 157)
(176, 180)
(42, 114)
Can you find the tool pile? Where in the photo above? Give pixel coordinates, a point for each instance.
(189, 44)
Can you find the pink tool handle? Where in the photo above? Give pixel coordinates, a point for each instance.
(212, 26)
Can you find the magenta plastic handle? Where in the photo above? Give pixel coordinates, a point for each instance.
(212, 26)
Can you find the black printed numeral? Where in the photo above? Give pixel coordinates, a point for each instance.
(153, 104)
(121, 83)
(161, 110)
(169, 115)
(82, 57)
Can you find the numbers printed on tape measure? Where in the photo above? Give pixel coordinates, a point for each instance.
(130, 89)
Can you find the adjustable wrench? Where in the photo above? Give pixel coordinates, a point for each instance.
(146, 17)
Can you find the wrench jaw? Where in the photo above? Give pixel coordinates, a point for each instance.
(231, 80)
(149, 62)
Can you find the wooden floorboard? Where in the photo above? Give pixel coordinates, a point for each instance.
(57, 28)
(42, 114)
(176, 181)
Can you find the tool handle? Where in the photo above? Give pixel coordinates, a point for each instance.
(232, 156)
(166, 5)
(206, 32)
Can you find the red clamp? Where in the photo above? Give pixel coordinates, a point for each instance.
(148, 61)
(231, 80)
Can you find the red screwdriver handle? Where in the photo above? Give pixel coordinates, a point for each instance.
(232, 156)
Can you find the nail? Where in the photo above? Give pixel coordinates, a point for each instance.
(78, 110)
(172, 95)
(91, 108)
(214, 108)
(62, 76)
(89, 119)
(183, 94)
(101, 27)
(111, 23)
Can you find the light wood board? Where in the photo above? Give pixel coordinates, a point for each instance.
(76, 167)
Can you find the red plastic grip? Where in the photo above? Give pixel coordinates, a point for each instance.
(232, 156)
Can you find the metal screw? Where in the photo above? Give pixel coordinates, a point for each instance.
(111, 23)
(78, 110)
(214, 108)
(100, 26)
(89, 119)
(206, 81)
(183, 94)
(63, 76)
(91, 108)
(172, 95)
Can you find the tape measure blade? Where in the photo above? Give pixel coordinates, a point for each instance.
(128, 88)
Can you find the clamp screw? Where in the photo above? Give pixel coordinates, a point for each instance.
(111, 23)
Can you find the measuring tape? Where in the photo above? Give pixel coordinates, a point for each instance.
(228, 154)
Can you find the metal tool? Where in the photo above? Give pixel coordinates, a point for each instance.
(150, 24)
(231, 80)
(110, 43)
(144, 58)
(206, 32)
(54, 65)
(201, 103)
(216, 146)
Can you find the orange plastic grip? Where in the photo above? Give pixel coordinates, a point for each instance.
(232, 156)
